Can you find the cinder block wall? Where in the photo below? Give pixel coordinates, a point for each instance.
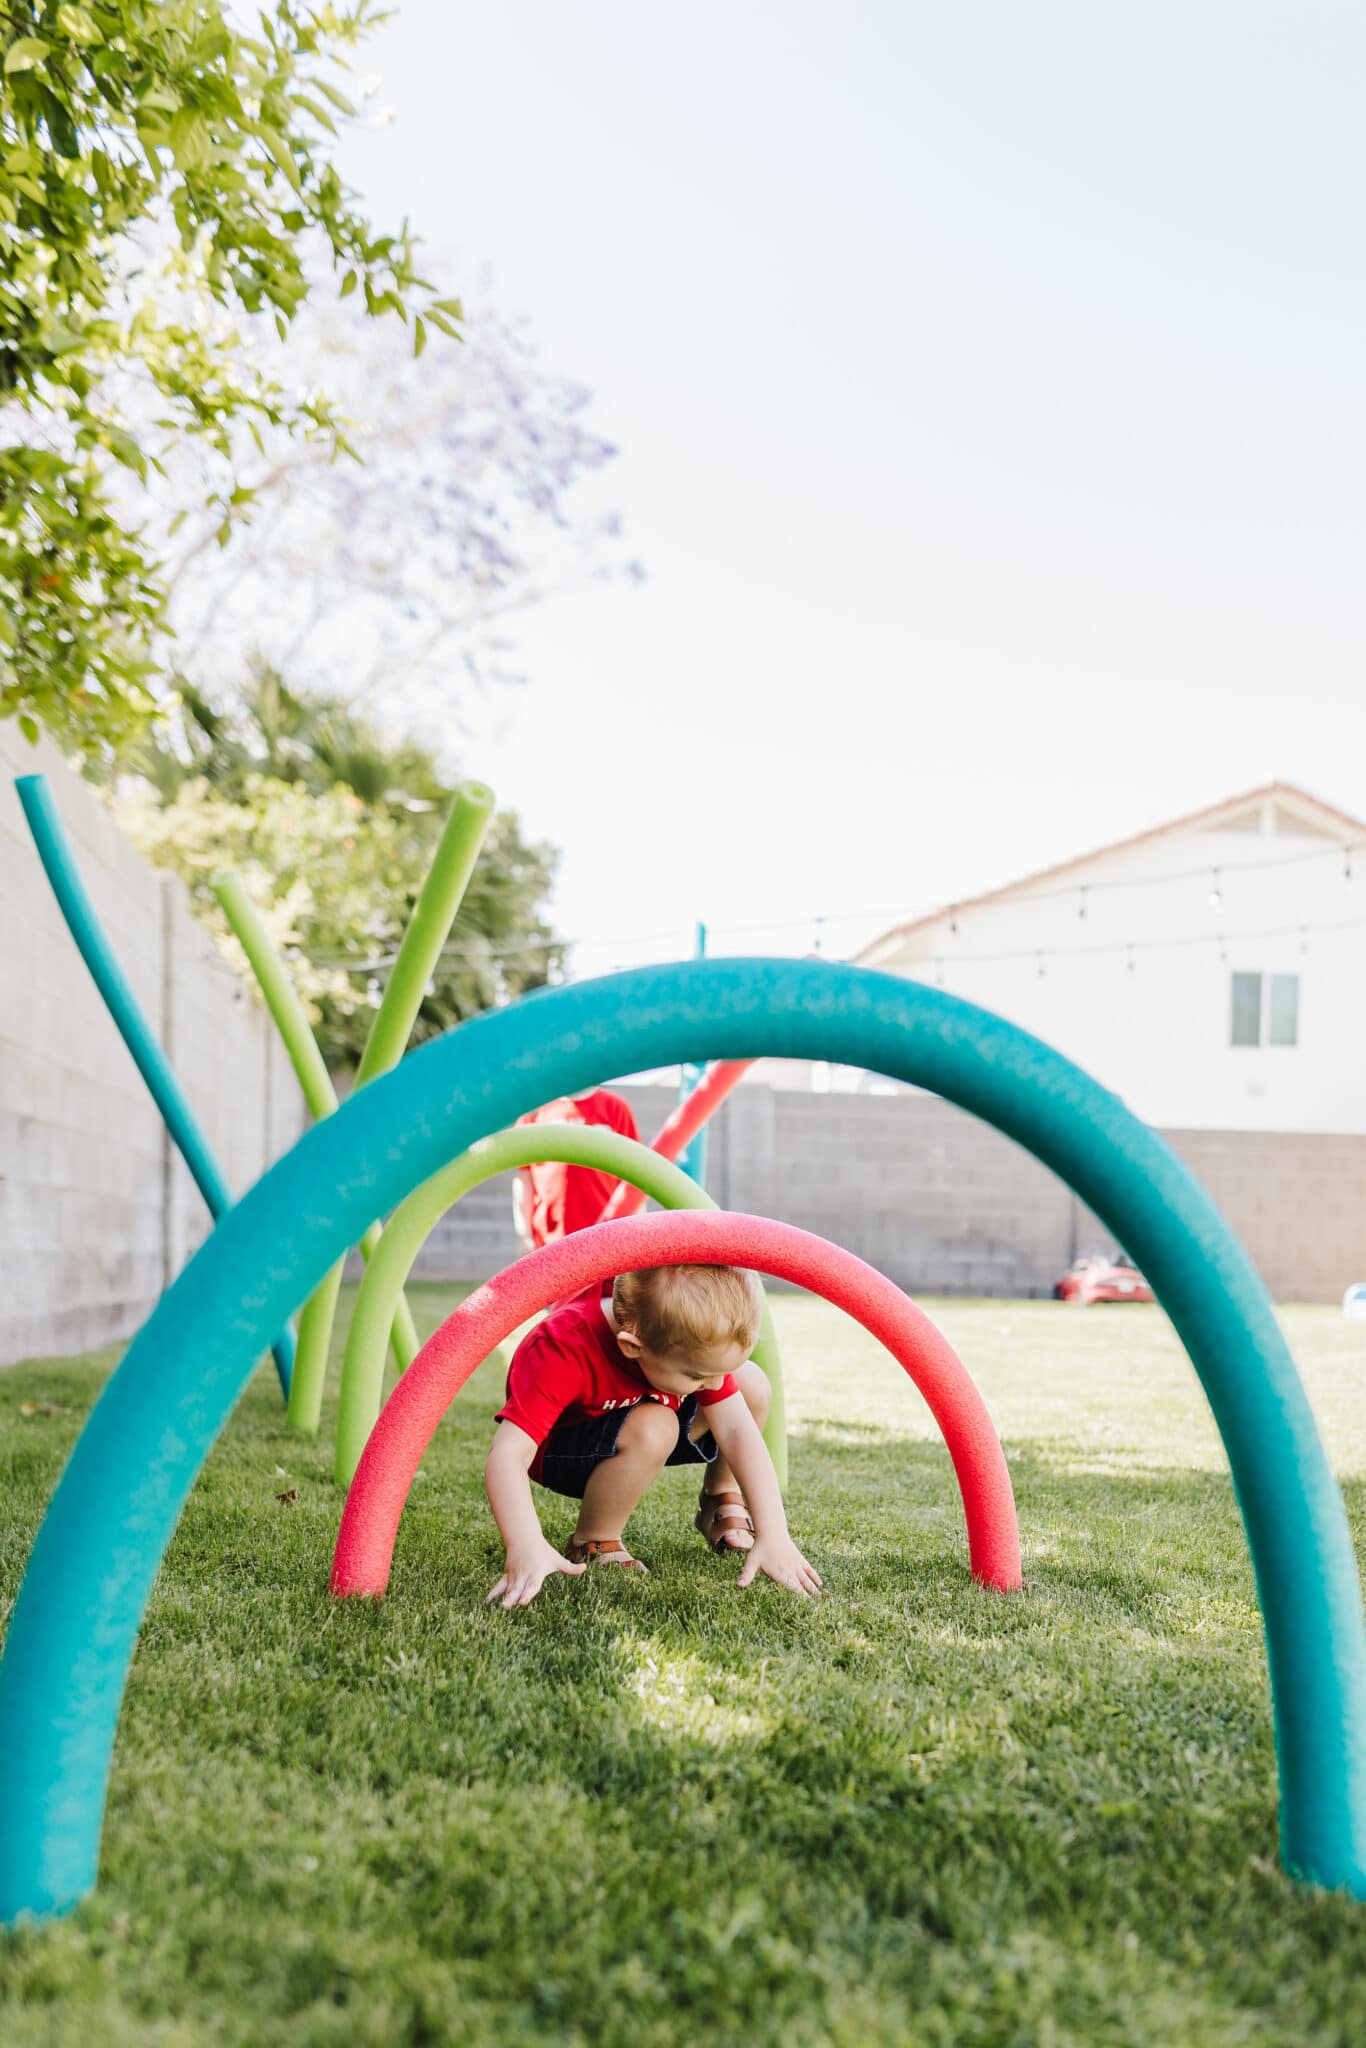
(943, 1204)
(1296, 1199)
(97, 1212)
(933, 1198)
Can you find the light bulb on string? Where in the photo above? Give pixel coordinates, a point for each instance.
(1081, 901)
(1131, 959)
(1041, 967)
(939, 973)
(1347, 863)
(1216, 893)
(953, 924)
(1304, 938)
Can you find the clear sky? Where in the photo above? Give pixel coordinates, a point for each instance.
(989, 384)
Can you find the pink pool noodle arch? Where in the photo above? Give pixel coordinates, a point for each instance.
(677, 1132)
(408, 1421)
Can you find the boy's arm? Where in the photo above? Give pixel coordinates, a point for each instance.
(530, 1559)
(742, 1446)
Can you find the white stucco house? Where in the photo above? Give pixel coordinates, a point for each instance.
(1211, 970)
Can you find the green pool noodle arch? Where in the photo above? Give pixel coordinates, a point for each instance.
(310, 1068)
(362, 1379)
(73, 900)
(428, 929)
(75, 1623)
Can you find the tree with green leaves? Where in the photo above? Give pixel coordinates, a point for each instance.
(333, 825)
(161, 173)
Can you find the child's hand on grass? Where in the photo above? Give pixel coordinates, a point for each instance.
(526, 1571)
(779, 1559)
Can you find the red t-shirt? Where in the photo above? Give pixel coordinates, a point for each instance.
(569, 1368)
(562, 1199)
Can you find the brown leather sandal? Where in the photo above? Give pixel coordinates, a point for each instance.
(594, 1548)
(719, 1516)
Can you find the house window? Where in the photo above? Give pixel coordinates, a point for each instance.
(1247, 1009)
(1266, 1009)
(1283, 1019)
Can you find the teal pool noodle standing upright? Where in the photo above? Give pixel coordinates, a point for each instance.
(54, 851)
(693, 1157)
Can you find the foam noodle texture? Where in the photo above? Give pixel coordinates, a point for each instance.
(428, 929)
(310, 1068)
(678, 1131)
(408, 1421)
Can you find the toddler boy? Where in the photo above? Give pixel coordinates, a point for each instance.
(651, 1370)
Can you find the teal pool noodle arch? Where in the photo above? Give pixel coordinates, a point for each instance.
(75, 1623)
(54, 851)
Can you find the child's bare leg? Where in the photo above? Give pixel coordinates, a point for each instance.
(752, 1383)
(647, 1438)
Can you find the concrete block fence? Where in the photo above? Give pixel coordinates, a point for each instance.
(944, 1205)
(97, 1211)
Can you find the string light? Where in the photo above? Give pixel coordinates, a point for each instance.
(1216, 894)
(467, 945)
(1041, 967)
(1131, 959)
(536, 951)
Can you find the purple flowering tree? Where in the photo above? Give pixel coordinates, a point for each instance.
(391, 575)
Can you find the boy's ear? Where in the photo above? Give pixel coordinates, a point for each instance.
(628, 1343)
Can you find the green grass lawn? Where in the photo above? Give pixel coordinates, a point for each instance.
(652, 1811)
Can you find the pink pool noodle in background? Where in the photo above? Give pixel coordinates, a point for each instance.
(375, 1502)
(679, 1130)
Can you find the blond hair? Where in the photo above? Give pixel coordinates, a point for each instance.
(689, 1309)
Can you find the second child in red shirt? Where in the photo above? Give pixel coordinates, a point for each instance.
(552, 1199)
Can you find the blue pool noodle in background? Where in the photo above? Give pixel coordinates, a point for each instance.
(54, 851)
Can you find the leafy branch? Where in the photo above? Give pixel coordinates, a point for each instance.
(119, 118)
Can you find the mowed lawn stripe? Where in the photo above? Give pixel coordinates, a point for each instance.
(649, 1810)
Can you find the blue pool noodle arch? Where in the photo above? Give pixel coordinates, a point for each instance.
(97, 1553)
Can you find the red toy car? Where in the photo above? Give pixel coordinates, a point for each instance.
(1101, 1279)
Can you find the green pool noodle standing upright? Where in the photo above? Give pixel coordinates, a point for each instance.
(428, 929)
(310, 1068)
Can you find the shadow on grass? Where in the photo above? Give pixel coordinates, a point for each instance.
(749, 1812)
(648, 1806)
